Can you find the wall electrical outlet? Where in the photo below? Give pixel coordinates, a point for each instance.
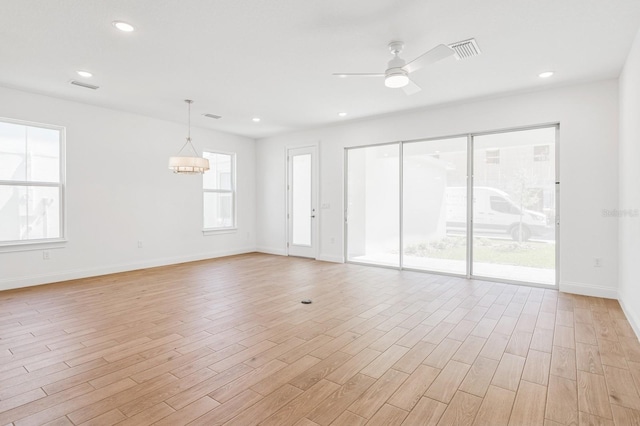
(139, 243)
(333, 240)
(597, 262)
(45, 255)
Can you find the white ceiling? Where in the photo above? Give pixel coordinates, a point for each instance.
(274, 59)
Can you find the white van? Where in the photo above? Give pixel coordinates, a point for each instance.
(494, 212)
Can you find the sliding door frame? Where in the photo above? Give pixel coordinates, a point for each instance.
(470, 181)
(469, 258)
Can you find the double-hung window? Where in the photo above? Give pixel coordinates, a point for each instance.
(31, 183)
(219, 192)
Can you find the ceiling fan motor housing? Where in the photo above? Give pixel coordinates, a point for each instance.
(395, 76)
(396, 62)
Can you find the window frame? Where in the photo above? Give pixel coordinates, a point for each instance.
(233, 191)
(42, 243)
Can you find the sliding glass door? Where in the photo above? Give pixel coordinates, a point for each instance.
(514, 205)
(434, 212)
(408, 205)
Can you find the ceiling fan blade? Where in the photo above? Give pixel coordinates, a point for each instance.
(432, 56)
(346, 74)
(411, 88)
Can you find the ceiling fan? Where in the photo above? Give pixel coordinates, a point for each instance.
(397, 73)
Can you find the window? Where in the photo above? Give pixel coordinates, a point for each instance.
(501, 205)
(541, 153)
(492, 156)
(219, 197)
(31, 183)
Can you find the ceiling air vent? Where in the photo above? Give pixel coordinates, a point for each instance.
(85, 85)
(465, 49)
(215, 117)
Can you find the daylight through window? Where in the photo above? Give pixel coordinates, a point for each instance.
(219, 191)
(31, 183)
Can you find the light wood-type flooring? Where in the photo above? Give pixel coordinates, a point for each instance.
(227, 341)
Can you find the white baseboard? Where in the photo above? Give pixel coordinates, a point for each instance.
(329, 258)
(281, 252)
(632, 317)
(32, 280)
(588, 289)
(269, 250)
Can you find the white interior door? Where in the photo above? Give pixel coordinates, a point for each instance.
(302, 211)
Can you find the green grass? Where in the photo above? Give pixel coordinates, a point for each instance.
(486, 250)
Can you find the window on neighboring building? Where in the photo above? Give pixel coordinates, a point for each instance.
(492, 156)
(500, 204)
(219, 191)
(31, 183)
(541, 153)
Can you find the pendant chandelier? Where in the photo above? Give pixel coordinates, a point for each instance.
(188, 164)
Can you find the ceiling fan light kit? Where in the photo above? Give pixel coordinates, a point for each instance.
(188, 164)
(396, 80)
(395, 77)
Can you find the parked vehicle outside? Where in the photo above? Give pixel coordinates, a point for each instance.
(494, 212)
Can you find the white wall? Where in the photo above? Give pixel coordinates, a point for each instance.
(112, 202)
(629, 181)
(588, 116)
(119, 191)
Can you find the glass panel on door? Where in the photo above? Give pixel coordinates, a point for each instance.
(301, 208)
(514, 206)
(373, 214)
(302, 190)
(434, 205)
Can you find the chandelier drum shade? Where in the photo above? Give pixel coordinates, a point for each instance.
(188, 164)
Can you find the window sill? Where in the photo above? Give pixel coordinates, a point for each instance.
(33, 245)
(219, 231)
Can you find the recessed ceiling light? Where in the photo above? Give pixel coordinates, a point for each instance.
(86, 74)
(545, 74)
(123, 26)
(256, 119)
(342, 114)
